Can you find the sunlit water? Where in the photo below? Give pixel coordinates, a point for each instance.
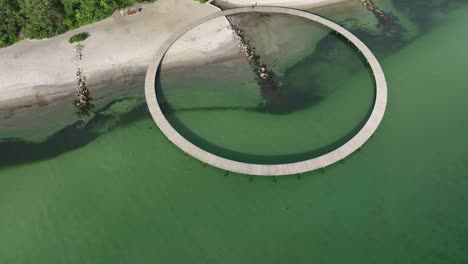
(115, 191)
(321, 100)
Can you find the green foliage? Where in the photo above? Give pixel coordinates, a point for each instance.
(42, 19)
(10, 22)
(46, 18)
(82, 12)
(79, 37)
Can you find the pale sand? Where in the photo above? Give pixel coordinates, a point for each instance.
(34, 70)
(302, 4)
(41, 71)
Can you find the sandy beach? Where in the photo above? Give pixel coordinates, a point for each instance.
(301, 4)
(40, 71)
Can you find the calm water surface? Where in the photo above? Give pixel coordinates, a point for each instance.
(114, 190)
(321, 100)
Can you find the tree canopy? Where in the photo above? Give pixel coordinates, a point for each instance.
(10, 22)
(42, 19)
(38, 19)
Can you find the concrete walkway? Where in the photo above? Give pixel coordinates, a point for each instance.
(280, 169)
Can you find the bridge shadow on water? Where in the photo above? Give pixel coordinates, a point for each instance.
(16, 151)
(306, 101)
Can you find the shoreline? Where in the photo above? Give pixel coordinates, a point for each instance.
(35, 70)
(117, 46)
(47, 85)
(300, 4)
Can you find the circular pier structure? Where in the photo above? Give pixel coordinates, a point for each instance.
(228, 165)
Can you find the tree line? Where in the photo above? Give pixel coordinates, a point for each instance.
(37, 19)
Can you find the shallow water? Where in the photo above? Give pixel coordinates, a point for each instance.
(323, 97)
(126, 195)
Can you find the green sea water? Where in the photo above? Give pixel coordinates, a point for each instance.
(117, 191)
(321, 99)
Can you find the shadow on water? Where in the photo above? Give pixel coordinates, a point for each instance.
(16, 151)
(302, 92)
(191, 136)
(297, 96)
(260, 159)
(424, 12)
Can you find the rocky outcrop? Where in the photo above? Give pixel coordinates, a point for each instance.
(387, 20)
(266, 79)
(82, 100)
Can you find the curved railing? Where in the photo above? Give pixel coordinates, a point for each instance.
(277, 169)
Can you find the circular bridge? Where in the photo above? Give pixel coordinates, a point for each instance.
(277, 169)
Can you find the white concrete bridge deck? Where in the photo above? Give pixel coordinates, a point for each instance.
(278, 169)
